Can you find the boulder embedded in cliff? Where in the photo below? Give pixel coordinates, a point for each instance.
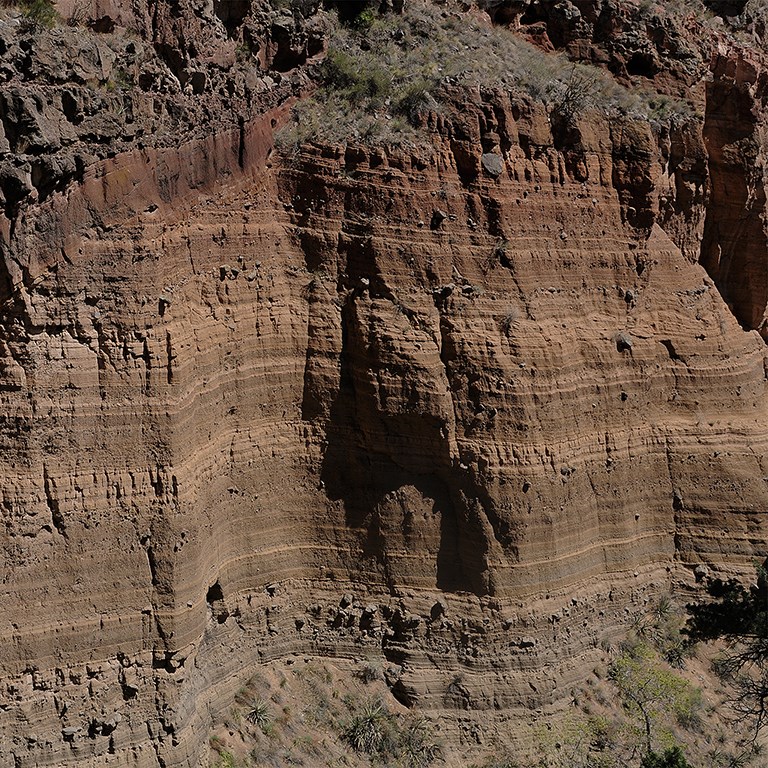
(493, 164)
(624, 342)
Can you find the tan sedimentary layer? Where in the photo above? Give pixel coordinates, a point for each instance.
(236, 390)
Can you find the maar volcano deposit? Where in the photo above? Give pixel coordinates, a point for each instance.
(463, 402)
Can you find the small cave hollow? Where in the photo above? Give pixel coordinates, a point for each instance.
(348, 10)
(534, 14)
(231, 13)
(726, 8)
(215, 599)
(642, 65)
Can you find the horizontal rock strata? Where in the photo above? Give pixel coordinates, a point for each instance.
(468, 408)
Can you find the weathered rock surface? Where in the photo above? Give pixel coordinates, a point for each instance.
(364, 399)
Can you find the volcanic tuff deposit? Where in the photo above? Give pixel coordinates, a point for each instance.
(463, 404)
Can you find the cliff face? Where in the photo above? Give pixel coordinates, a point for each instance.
(487, 388)
(735, 236)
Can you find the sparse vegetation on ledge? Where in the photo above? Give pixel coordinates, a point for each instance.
(35, 13)
(315, 714)
(382, 75)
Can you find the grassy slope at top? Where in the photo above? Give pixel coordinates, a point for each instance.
(383, 72)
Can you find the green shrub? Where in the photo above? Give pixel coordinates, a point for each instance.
(39, 13)
(653, 693)
(370, 673)
(365, 19)
(577, 94)
(339, 69)
(671, 758)
(663, 628)
(416, 747)
(226, 760)
(415, 100)
(507, 322)
(357, 79)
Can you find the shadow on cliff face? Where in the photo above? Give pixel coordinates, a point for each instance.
(735, 239)
(398, 503)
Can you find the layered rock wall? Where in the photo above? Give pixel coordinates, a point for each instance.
(480, 387)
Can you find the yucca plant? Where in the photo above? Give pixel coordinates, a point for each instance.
(259, 715)
(369, 729)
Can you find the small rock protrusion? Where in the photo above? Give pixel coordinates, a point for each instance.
(412, 621)
(392, 674)
(129, 681)
(624, 342)
(438, 217)
(346, 600)
(439, 609)
(368, 618)
(69, 732)
(492, 164)
(701, 572)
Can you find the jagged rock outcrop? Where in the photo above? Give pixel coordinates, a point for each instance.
(483, 387)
